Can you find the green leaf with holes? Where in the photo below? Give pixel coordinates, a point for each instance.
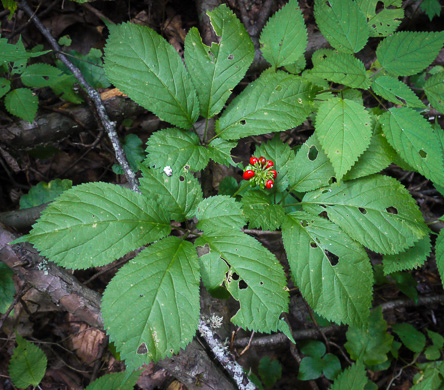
(332, 271)
(344, 130)
(384, 20)
(340, 68)
(115, 381)
(40, 75)
(178, 194)
(312, 168)
(216, 70)
(261, 211)
(342, 23)
(407, 53)
(434, 89)
(274, 102)
(284, 37)
(176, 148)
(151, 307)
(416, 142)
(22, 102)
(256, 279)
(376, 210)
(220, 212)
(28, 364)
(395, 91)
(94, 224)
(143, 65)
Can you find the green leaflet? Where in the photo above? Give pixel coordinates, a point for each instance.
(219, 151)
(340, 292)
(371, 344)
(178, 194)
(439, 254)
(114, 381)
(216, 70)
(283, 158)
(40, 75)
(406, 53)
(151, 307)
(132, 146)
(22, 102)
(219, 212)
(17, 52)
(262, 294)
(415, 140)
(312, 168)
(378, 156)
(431, 8)
(413, 257)
(44, 192)
(344, 130)
(340, 68)
(5, 86)
(274, 102)
(213, 271)
(376, 210)
(410, 337)
(261, 212)
(7, 288)
(342, 23)
(28, 364)
(396, 91)
(94, 224)
(148, 69)
(431, 377)
(386, 20)
(284, 37)
(352, 378)
(176, 148)
(434, 88)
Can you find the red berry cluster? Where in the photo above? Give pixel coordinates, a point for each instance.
(259, 172)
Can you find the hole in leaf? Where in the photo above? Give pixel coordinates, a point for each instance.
(324, 56)
(323, 206)
(243, 122)
(313, 153)
(261, 283)
(46, 77)
(323, 214)
(181, 178)
(142, 350)
(313, 244)
(242, 285)
(231, 56)
(392, 210)
(141, 295)
(332, 258)
(401, 99)
(235, 276)
(332, 180)
(362, 210)
(304, 223)
(186, 167)
(324, 191)
(422, 153)
(278, 88)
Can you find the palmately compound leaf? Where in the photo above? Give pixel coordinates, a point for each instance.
(434, 89)
(22, 102)
(332, 271)
(178, 194)
(376, 211)
(284, 37)
(219, 150)
(352, 378)
(216, 70)
(312, 168)
(406, 53)
(439, 254)
(219, 212)
(151, 307)
(340, 68)
(94, 224)
(283, 158)
(378, 156)
(256, 279)
(143, 65)
(7, 288)
(342, 23)
(395, 91)
(176, 148)
(386, 20)
(344, 130)
(416, 142)
(274, 102)
(115, 381)
(261, 212)
(370, 344)
(28, 364)
(413, 257)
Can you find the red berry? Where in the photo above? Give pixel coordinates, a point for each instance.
(248, 174)
(269, 164)
(269, 184)
(253, 160)
(262, 160)
(274, 173)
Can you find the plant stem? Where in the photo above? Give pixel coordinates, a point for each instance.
(241, 188)
(205, 132)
